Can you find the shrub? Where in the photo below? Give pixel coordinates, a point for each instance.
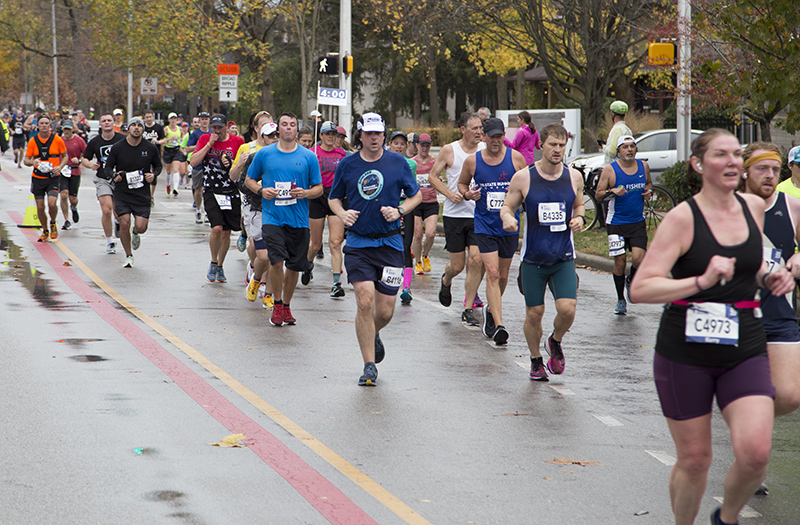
(674, 179)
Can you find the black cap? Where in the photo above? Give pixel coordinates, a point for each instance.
(203, 114)
(494, 126)
(398, 134)
(218, 120)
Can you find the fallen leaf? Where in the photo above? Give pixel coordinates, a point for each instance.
(229, 441)
(66, 263)
(568, 461)
(549, 479)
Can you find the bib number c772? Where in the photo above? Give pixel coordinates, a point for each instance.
(712, 323)
(392, 277)
(495, 200)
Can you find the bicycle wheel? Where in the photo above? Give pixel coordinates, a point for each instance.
(660, 202)
(590, 210)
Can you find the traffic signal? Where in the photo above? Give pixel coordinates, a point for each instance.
(328, 65)
(347, 64)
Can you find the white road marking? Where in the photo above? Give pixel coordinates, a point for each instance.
(561, 389)
(608, 420)
(747, 511)
(662, 456)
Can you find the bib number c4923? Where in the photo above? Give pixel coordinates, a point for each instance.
(392, 277)
(712, 323)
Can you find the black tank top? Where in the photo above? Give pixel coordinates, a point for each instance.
(671, 341)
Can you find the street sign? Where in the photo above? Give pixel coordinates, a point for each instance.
(228, 95)
(228, 69)
(148, 86)
(332, 97)
(228, 82)
(26, 98)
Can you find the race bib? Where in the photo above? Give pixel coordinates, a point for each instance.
(135, 179)
(45, 167)
(554, 215)
(712, 323)
(422, 181)
(284, 198)
(172, 143)
(392, 277)
(66, 172)
(616, 245)
(495, 200)
(773, 258)
(224, 201)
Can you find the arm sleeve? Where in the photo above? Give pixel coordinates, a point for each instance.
(156, 164)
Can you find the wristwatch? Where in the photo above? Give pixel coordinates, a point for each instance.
(401, 210)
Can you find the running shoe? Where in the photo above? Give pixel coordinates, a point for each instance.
(380, 350)
(198, 217)
(556, 362)
(251, 292)
(44, 237)
(418, 269)
(276, 319)
(426, 264)
(67, 225)
(370, 377)
(174, 194)
(212, 273)
(337, 290)
(469, 318)
(205, 219)
(249, 274)
(76, 217)
(487, 327)
(762, 490)
(268, 301)
(308, 274)
(128, 262)
(53, 231)
(221, 275)
(152, 202)
(500, 336)
(445, 297)
(320, 253)
(111, 247)
(622, 307)
(136, 240)
(241, 242)
(477, 303)
(405, 296)
(287, 315)
(538, 372)
(169, 188)
(116, 229)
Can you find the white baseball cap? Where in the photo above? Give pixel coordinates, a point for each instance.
(118, 111)
(315, 113)
(625, 138)
(269, 128)
(172, 115)
(371, 122)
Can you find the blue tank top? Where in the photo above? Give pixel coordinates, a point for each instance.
(493, 182)
(630, 207)
(548, 210)
(780, 230)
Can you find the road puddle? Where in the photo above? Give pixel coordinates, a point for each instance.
(15, 267)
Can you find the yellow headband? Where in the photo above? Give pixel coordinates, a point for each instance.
(769, 155)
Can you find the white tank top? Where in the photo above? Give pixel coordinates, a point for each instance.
(466, 208)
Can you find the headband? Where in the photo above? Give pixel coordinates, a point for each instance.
(769, 155)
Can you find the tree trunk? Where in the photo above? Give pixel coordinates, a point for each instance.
(764, 127)
(434, 89)
(267, 98)
(461, 102)
(393, 109)
(417, 102)
(520, 88)
(502, 92)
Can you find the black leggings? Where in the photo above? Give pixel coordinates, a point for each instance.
(408, 236)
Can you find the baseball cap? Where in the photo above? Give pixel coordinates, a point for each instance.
(218, 120)
(424, 138)
(203, 114)
(413, 138)
(172, 115)
(136, 120)
(619, 107)
(118, 111)
(398, 134)
(315, 113)
(67, 124)
(269, 128)
(493, 126)
(123, 127)
(184, 124)
(327, 126)
(625, 138)
(341, 131)
(794, 155)
(371, 122)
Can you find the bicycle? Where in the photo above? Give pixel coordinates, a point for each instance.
(657, 206)
(593, 211)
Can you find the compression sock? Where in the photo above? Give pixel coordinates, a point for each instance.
(619, 284)
(278, 302)
(408, 274)
(337, 277)
(633, 272)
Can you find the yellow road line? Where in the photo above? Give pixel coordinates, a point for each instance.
(14, 175)
(391, 502)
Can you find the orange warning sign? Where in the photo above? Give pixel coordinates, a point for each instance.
(228, 69)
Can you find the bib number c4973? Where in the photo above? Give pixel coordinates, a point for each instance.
(392, 277)
(135, 179)
(554, 215)
(712, 323)
(284, 198)
(616, 245)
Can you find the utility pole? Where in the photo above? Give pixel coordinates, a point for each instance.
(345, 48)
(55, 61)
(684, 93)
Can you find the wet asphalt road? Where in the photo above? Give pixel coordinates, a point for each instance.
(115, 381)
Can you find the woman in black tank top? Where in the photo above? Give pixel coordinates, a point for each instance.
(710, 342)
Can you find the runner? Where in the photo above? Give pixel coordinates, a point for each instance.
(553, 198)
(318, 210)
(704, 262)
(17, 126)
(492, 170)
(118, 123)
(95, 158)
(172, 154)
(791, 186)
(458, 215)
(397, 144)
(154, 132)
(289, 176)
(197, 173)
(372, 181)
(426, 215)
(183, 165)
(215, 153)
(626, 181)
(48, 155)
(70, 180)
(133, 164)
(305, 137)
